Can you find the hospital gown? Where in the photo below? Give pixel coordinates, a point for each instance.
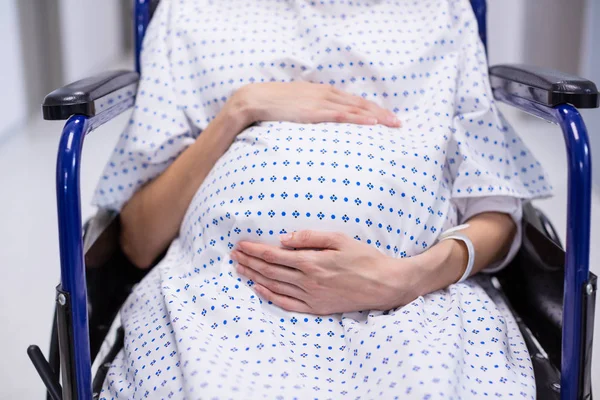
(194, 328)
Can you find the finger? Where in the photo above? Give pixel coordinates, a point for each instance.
(383, 115)
(274, 269)
(314, 240)
(285, 302)
(348, 99)
(348, 109)
(340, 116)
(272, 254)
(273, 285)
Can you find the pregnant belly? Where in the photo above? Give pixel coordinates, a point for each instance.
(283, 177)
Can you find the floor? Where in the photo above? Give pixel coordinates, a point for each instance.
(28, 232)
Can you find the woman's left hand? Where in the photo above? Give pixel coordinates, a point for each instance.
(325, 273)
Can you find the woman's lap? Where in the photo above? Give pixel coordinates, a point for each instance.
(196, 335)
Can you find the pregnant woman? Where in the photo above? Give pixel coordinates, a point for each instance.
(307, 166)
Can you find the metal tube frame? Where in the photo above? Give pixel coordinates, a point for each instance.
(70, 232)
(72, 269)
(577, 252)
(142, 19)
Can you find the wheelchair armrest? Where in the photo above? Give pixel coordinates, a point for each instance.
(90, 96)
(544, 86)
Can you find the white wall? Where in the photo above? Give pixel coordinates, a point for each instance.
(590, 62)
(91, 36)
(553, 33)
(12, 95)
(45, 44)
(506, 31)
(537, 32)
(558, 34)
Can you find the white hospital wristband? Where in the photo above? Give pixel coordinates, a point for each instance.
(456, 235)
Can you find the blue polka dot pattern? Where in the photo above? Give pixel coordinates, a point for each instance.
(194, 328)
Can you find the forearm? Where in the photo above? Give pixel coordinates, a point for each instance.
(443, 264)
(152, 217)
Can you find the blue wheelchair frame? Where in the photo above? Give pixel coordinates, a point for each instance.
(72, 289)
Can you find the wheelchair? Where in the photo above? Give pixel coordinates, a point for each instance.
(548, 288)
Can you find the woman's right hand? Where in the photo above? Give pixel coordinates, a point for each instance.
(305, 102)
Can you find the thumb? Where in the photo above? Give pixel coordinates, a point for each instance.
(313, 239)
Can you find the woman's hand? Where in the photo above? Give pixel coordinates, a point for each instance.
(331, 273)
(305, 102)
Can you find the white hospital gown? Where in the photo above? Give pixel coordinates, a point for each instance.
(194, 329)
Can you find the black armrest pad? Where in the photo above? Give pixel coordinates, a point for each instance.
(544, 86)
(79, 97)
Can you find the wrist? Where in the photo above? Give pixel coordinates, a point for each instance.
(400, 282)
(440, 266)
(241, 107)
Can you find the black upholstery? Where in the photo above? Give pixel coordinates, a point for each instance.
(110, 278)
(533, 283)
(534, 286)
(544, 86)
(153, 5)
(78, 97)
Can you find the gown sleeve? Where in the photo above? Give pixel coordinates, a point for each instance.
(468, 207)
(158, 130)
(490, 168)
(485, 157)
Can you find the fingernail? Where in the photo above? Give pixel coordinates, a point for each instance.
(233, 256)
(285, 237)
(397, 122)
(392, 120)
(373, 121)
